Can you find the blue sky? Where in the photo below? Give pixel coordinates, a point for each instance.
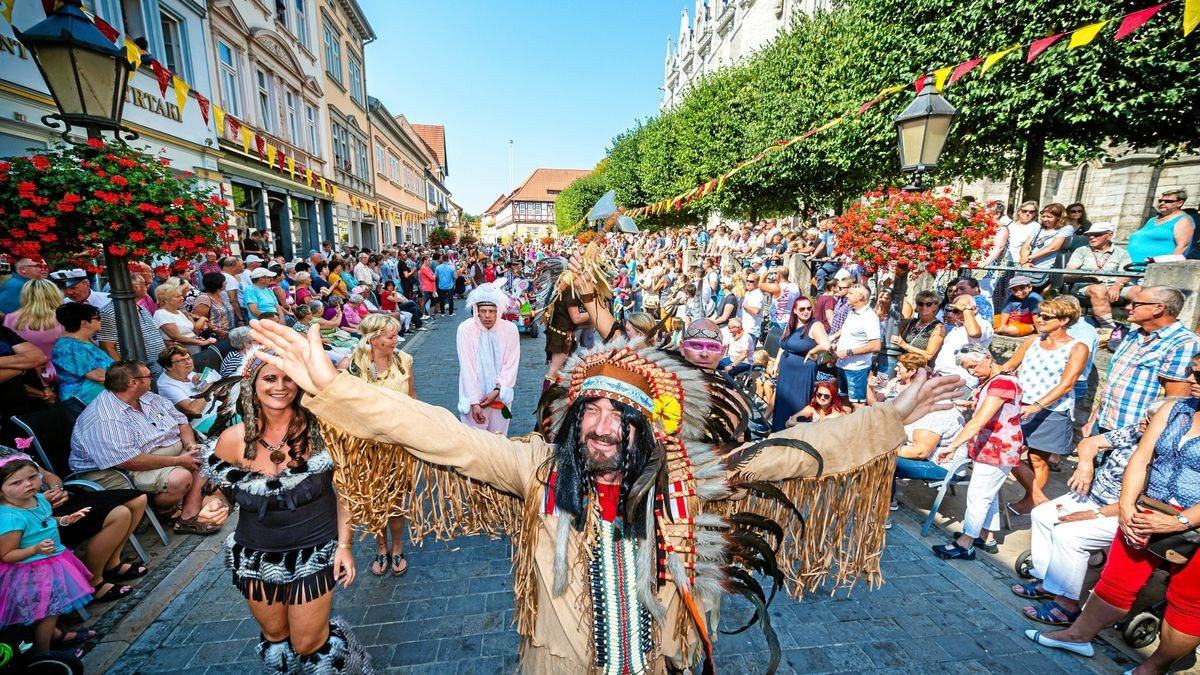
(560, 78)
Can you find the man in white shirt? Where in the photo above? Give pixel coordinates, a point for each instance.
(231, 269)
(253, 262)
(963, 327)
(362, 272)
(858, 341)
(752, 306)
(76, 288)
(737, 349)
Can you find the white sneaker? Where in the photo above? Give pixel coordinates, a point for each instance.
(423, 328)
(401, 340)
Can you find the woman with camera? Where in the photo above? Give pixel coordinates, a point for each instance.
(1159, 514)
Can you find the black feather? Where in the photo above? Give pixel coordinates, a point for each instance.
(749, 519)
(744, 586)
(738, 457)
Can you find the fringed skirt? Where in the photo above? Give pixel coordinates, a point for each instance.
(293, 577)
(30, 592)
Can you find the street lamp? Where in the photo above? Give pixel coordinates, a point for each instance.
(88, 76)
(921, 132)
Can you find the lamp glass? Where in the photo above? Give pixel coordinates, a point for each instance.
(937, 129)
(911, 134)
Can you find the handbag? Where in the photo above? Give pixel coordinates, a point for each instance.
(1174, 547)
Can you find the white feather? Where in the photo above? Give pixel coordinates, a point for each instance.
(561, 574)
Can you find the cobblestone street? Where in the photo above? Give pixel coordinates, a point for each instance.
(452, 612)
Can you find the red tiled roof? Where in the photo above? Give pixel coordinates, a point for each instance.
(434, 136)
(495, 207)
(542, 182)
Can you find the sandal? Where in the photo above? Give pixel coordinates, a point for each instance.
(114, 592)
(398, 558)
(125, 572)
(953, 551)
(1031, 591)
(379, 565)
(1045, 613)
(73, 637)
(193, 526)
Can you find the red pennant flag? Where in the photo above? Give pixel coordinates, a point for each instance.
(105, 27)
(234, 125)
(203, 103)
(919, 83)
(962, 69)
(1134, 20)
(162, 75)
(261, 144)
(862, 108)
(279, 160)
(1038, 46)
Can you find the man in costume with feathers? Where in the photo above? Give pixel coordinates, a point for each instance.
(639, 505)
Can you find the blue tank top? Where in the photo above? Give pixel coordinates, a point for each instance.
(1154, 239)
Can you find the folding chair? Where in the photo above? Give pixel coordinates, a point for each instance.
(957, 472)
(50, 429)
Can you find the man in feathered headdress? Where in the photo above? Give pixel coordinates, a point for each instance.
(489, 353)
(641, 505)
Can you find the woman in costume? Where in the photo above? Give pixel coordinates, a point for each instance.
(292, 542)
(376, 360)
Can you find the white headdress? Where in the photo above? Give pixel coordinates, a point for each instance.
(487, 294)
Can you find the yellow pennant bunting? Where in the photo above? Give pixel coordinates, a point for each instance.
(322, 183)
(219, 119)
(940, 75)
(6, 8)
(246, 136)
(308, 177)
(993, 58)
(181, 92)
(1191, 16)
(1085, 35)
(271, 151)
(333, 191)
(291, 164)
(133, 54)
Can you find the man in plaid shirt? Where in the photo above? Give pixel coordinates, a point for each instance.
(1158, 354)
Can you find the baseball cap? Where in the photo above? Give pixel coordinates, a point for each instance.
(68, 278)
(261, 272)
(1101, 228)
(1019, 280)
(253, 258)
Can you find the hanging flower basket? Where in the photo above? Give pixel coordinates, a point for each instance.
(441, 236)
(914, 231)
(74, 204)
(586, 237)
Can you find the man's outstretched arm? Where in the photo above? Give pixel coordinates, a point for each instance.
(366, 411)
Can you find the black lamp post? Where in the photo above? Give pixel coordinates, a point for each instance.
(88, 76)
(921, 132)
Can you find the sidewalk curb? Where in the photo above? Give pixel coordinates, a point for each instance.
(988, 577)
(132, 625)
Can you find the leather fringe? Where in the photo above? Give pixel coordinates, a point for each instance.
(379, 481)
(842, 537)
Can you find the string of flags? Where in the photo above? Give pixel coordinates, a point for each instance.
(230, 127)
(942, 78)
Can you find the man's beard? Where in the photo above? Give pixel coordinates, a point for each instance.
(597, 464)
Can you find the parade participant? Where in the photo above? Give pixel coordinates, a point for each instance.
(568, 315)
(644, 449)
(701, 344)
(489, 354)
(292, 542)
(375, 359)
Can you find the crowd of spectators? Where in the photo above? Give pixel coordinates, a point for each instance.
(801, 351)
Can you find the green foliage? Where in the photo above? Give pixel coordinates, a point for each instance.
(572, 204)
(1069, 105)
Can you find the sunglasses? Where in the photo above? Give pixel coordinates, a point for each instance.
(1089, 235)
(926, 304)
(803, 309)
(821, 397)
(1169, 201)
(1027, 211)
(1047, 317)
(952, 310)
(703, 346)
(1136, 303)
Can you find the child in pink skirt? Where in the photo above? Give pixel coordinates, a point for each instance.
(40, 578)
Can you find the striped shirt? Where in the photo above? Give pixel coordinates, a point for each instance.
(151, 334)
(1136, 368)
(111, 432)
